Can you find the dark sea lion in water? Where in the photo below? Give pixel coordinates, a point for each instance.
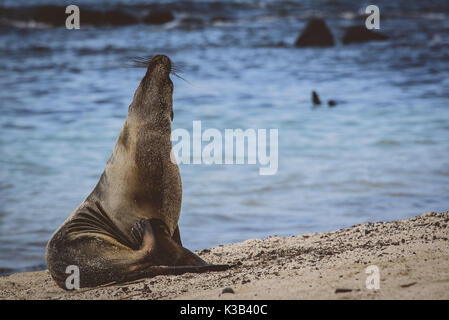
(331, 103)
(315, 98)
(127, 228)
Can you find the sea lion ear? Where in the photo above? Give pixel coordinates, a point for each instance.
(172, 115)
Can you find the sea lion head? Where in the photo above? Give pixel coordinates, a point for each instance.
(154, 96)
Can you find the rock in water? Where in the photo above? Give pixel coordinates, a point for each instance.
(316, 34)
(191, 23)
(357, 34)
(159, 17)
(50, 14)
(118, 18)
(55, 15)
(315, 98)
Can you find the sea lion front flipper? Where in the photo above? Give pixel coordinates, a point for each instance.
(176, 270)
(188, 258)
(153, 271)
(177, 236)
(143, 234)
(167, 252)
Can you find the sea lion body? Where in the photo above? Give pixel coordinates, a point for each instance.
(127, 228)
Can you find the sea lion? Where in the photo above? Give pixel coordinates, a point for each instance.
(127, 228)
(331, 103)
(315, 98)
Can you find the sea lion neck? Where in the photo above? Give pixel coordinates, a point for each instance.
(153, 100)
(151, 118)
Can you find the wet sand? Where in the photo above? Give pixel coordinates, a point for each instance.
(412, 256)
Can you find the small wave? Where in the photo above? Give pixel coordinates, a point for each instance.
(4, 187)
(387, 142)
(277, 44)
(4, 22)
(10, 125)
(348, 15)
(400, 194)
(424, 141)
(106, 49)
(39, 49)
(375, 184)
(190, 23)
(441, 172)
(221, 20)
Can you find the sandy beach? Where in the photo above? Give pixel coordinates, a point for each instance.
(412, 256)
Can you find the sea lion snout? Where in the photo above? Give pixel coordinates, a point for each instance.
(155, 93)
(160, 63)
(158, 73)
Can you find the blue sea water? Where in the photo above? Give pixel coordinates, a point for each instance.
(381, 154)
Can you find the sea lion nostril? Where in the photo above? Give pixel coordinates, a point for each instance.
(165, 61)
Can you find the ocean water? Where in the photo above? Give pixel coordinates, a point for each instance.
(381, 154)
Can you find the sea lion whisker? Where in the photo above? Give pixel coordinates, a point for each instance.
(144, 61)
(178, 67)
(178, 76)
(140, 61)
